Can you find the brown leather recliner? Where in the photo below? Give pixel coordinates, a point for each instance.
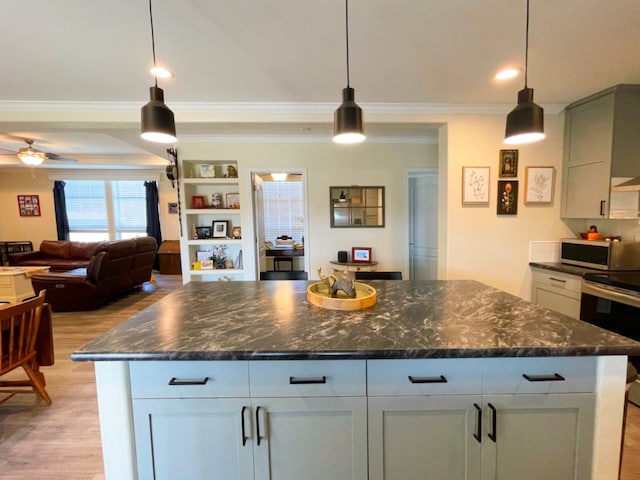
(116, 267)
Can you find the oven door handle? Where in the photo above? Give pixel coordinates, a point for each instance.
(591, 288)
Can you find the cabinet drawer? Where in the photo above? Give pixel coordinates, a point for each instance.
(308, 378)
(188, 379)
(507, 375)
(423, 377)
(561, 281)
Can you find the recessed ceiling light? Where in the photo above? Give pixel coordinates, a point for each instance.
(161, 72)
(507, 73)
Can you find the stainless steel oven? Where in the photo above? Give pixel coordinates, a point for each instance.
(612, 301)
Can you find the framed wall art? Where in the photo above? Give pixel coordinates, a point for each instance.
(508, 164)
(475, 185)
(29, 205)
(173, 208)
(361, 254)
(538, 185)
(507, 197)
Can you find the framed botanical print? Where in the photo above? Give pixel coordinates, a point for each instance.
(507, 197)
(475, 185)
(538, 185)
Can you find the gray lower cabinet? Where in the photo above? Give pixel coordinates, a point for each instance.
(453, 419)
(558, 291)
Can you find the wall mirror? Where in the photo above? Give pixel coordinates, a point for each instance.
(357, 207)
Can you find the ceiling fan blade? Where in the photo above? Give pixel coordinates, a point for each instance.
(58, 158)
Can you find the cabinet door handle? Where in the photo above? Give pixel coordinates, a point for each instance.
(602, 204)
(244, 433)
(305, 381)
(556, 377)
(478, 434)
(438, 379)
(258, 436)
(558, 280)
(188, 381)
(494, 422)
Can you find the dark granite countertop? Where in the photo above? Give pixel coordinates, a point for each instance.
(411, 319)
(564, 268)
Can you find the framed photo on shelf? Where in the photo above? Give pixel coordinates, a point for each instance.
(507, 197)
(361, 254)
(207, 170)
(475, 185)
(236, 233)
(203, 232)
(538, 185)
(233, 200)
(508, 163)
(206, 264)
(198, 201)
(220, 228)
(29, 205)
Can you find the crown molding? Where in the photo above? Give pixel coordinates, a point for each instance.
(269, 108)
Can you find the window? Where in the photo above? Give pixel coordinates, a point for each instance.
(283, 210)
(105, 210)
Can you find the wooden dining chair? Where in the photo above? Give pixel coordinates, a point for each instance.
(19, 325)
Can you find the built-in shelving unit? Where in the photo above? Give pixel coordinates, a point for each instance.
(209, 193)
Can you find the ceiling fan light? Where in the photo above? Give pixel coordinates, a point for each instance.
(157, 120)
(30, 156)
(525, 123)
(347, 120)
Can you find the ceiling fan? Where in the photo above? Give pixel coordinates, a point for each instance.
(32, 156)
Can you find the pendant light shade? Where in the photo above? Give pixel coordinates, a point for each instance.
(158, 123)
(525, 123)
(347, 120)
(157, 120)
(348, 126)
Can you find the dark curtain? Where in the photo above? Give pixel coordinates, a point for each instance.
(153, 217)
(60, 205)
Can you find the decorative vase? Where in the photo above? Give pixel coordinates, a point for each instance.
(220, 265)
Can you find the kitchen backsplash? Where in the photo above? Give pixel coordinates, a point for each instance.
(544, 251)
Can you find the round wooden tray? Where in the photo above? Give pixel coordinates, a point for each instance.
(318, 294)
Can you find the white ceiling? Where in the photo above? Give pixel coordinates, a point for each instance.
(289, 55)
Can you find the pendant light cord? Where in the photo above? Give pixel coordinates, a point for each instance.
(526, 48)
(346, 16)
(153, 45)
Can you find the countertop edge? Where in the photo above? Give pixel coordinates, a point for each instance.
(360, 355)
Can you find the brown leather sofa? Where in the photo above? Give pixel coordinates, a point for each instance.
(116, 268)
(59, 255)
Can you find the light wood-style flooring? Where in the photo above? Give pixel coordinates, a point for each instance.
(62, 441)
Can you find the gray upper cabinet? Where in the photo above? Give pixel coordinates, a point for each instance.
(601, 150)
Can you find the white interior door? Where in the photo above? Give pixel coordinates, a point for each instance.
(258, 223)
(423, 225)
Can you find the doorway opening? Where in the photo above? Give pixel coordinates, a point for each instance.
(279, 202)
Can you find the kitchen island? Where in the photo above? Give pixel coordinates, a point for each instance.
(296, 391)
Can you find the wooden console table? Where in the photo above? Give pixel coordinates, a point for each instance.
(352, 267)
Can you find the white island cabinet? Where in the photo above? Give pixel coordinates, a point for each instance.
(459, 419)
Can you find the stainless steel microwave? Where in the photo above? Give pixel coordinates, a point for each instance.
(603, 255)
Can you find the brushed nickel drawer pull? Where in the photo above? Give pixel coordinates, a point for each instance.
(438, 379)
(305, 381)
(556, 377)
(188, 381)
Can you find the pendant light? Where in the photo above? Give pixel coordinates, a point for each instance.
(347, 120)
(157, 121)
(525, 123)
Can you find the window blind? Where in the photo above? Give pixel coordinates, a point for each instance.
(283, 210)
(86, 205)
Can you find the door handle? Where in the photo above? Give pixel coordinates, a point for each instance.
(494, 422)
(306, 381)
(244, 433)
(602, 204)
(436, 379)
(188, 381)
(556, 377)
(478, 434)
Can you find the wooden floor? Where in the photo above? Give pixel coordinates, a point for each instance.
(62, 441)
